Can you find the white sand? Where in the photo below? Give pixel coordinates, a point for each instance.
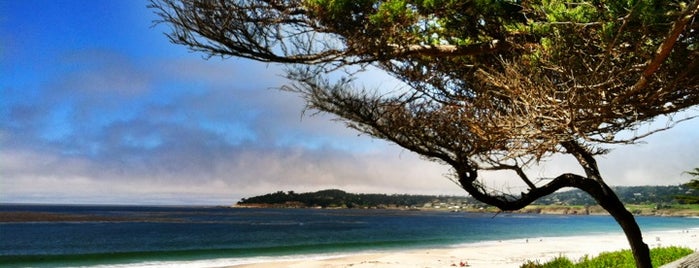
(509, 253)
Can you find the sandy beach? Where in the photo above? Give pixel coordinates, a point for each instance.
(495, 254)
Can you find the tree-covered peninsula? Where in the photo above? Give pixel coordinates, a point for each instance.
(646, 200)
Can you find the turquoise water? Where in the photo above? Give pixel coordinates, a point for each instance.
(186, 236)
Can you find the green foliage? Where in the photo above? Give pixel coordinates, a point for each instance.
(550, 31)
(339, 14)
(617, 259)
(661, 256)
(555, 263)
(567, 11)
(687, 199)
(531, 264)
(339, 198)
(620, 259)
(392, 12)
(338, 9)
(695, 173)
(691, 196)
(646, 195)
(694, 184)
(653, 197)
(558, 262)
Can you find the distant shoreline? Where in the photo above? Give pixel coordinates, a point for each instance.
(637, 210)
(31, 216)
(644, 201)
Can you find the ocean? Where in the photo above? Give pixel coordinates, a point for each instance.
(139, 236)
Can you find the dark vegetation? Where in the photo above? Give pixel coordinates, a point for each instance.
(339, 198)
(641, 195)
(692, 195)
(658, 196)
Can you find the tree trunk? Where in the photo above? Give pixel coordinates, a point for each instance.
(593, 184)
(606, 197)
(610, 202)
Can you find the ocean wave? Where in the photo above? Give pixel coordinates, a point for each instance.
(221, 262)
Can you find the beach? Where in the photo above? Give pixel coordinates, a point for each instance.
(493, 254)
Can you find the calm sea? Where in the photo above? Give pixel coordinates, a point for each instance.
(205, 236)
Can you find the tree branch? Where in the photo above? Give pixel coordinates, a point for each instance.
(505, 204)
(584, 157)
(666, 47)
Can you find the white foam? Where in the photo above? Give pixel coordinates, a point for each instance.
(222, 262)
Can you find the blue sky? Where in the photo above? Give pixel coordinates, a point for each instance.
(96, 106)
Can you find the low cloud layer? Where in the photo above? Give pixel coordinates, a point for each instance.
(212, 130)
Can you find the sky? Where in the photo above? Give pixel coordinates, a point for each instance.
(97, 107)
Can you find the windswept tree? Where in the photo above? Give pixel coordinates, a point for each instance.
(488, 84)
(691, 197)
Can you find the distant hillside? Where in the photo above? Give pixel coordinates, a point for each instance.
(640, 195)
(341, 199)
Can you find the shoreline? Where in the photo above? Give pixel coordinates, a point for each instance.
(486, 254)
(636, 210)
